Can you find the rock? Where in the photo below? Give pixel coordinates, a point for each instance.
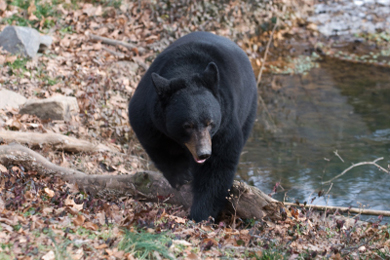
(10, 99)
(54, 108)
(24, 40)
(345, 17)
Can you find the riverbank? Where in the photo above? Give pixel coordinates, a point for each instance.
(47, 218)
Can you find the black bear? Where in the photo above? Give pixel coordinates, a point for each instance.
(193, 111)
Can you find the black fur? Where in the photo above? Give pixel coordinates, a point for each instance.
(202, 85)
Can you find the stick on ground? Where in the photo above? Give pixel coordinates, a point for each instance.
(344, 209)
(58, 141)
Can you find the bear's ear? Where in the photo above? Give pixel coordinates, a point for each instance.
(211, 77)
(161, 84)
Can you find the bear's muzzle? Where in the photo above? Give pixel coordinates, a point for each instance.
(200, 145)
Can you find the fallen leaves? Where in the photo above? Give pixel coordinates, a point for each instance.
(49, 192)
(49, 256)
(47, 218)
(72, 204)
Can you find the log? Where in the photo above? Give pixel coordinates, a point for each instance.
(342, 209)
(246, 201)
(58, 141)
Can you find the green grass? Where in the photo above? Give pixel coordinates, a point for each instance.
(17, 67)
(272, 254)
(5, 256)
(113, 3)
(142, 245)
(24, 4)
(43, 11)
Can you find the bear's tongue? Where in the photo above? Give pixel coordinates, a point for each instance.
(199, 161)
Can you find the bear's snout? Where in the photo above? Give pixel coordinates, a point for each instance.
(202, 156)
(200, 145)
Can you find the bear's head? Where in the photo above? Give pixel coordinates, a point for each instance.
(192, 113)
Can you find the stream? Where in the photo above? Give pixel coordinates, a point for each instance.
(338, 106)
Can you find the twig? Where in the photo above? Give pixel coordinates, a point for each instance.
(337, 154)
(266, 53)
(112, 42)
(231, 199)
(140, 62)
(261, 72)
(356, 165)
(115, 53)
(352, 210)
(109, 41)
(242, 248)
(361, 244)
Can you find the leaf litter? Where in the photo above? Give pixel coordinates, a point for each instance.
(46, 218)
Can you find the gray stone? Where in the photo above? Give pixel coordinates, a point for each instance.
(346, 17)
(10, 99)
(23, 40)
(54, 108)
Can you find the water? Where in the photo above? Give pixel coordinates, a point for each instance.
(338, 106)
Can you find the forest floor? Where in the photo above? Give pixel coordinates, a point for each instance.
(47, 218)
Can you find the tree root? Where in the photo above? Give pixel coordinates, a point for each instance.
(58, 141)
(247, 201)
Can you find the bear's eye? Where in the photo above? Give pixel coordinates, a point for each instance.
(209, 123)
(188, 126)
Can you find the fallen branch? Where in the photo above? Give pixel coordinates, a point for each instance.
(261, 73)
(58, 141)
(115, 53)
(343, 209)
(146, 185)
(266, 53)
(109, 41)
(356, 165)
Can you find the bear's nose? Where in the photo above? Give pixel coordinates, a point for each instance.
(204, 156)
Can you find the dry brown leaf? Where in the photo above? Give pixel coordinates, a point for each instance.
(101, 246)
(181, 242)
(3, 168)
(11, 220)
(49, 256)
(175, 218)
(3, 59)
(32, 8)
(192, 256)
(70, 202)
(79, 220)
(73, 187)
(78, 254)
(3, 5)
(114, 252)
(91, 226)
(11, 59)
(2, 204)
(47, 210)
(49, 192)
(32, 17)
(64, 162)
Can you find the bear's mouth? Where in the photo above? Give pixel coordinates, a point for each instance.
(200, 146)
(199, 161)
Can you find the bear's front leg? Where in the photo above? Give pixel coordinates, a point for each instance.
(214, 178)
(172, 161)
